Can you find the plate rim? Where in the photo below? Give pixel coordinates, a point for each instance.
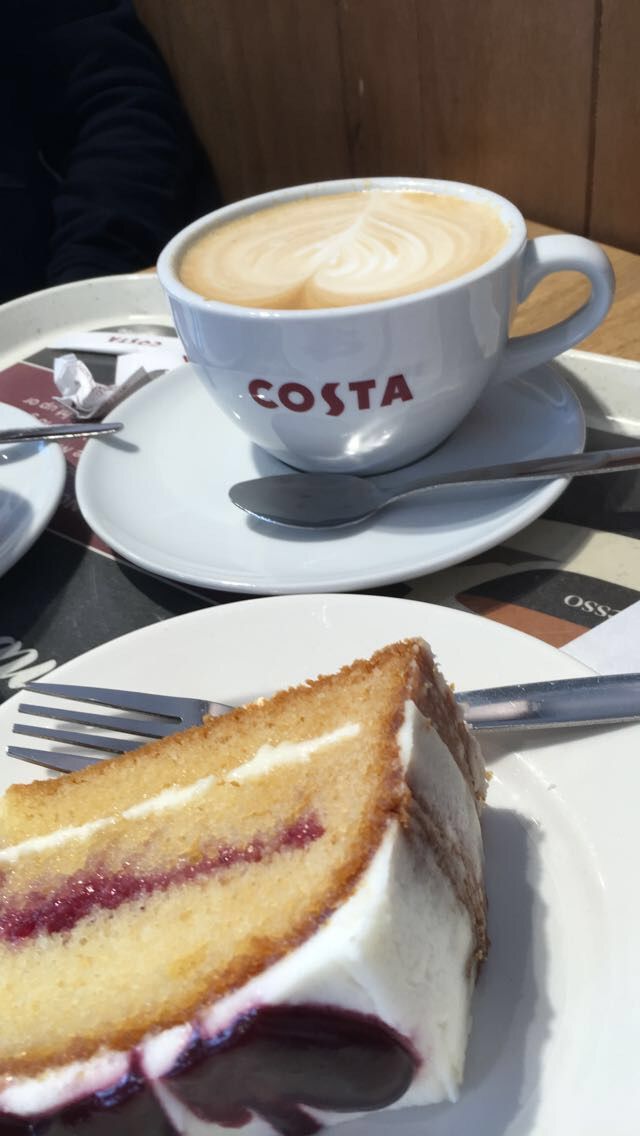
(224, 611)
(551, 658)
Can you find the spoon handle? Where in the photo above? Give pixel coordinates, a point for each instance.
(69, 430)
(599, 461)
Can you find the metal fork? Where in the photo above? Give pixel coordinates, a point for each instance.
(588, 701)
(165, 715)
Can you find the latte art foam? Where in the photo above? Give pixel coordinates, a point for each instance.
(349, 248)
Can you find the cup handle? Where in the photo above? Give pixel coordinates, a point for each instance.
(542, 256)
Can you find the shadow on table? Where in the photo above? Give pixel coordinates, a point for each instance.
(62, 599)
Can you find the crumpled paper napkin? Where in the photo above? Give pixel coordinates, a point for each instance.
(80, 393)
(90, 400)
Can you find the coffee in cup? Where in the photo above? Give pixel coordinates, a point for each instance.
(343, 249)
(352, 325)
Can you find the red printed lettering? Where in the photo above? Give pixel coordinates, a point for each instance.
(397, 387)
(288, 390)
(335, 404)
(134, 339)
(362, 388)
(256, 389)
(300, 398)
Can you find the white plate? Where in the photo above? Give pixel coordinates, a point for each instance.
(31, 482)
(557, 1013)
(157, 494)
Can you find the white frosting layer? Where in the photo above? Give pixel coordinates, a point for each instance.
(399, 949)
(27, 1096)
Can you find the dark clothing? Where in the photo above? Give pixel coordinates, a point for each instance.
(99, 165)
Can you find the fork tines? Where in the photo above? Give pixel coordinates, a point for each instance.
(160, 704)
(162, 715)
(56, 760)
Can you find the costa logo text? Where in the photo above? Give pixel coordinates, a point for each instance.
(364, 394)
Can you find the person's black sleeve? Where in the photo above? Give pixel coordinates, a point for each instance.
(130, 172)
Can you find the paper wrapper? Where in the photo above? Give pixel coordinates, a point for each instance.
(89, 400)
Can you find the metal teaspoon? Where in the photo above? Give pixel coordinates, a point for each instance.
(68, 430)
(332, 500)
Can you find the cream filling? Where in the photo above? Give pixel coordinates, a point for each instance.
(269, 757)
(262, 763)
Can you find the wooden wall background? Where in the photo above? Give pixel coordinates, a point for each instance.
(537, 99)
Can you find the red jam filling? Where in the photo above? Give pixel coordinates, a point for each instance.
(62, 907)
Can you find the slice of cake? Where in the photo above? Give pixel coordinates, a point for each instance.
(269, 923)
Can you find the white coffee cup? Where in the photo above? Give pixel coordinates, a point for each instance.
(371, 387)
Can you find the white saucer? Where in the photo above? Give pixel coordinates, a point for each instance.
(32, 478)
(556, 1028)
(157, 493)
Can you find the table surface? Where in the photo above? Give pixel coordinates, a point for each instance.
(559, 295)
